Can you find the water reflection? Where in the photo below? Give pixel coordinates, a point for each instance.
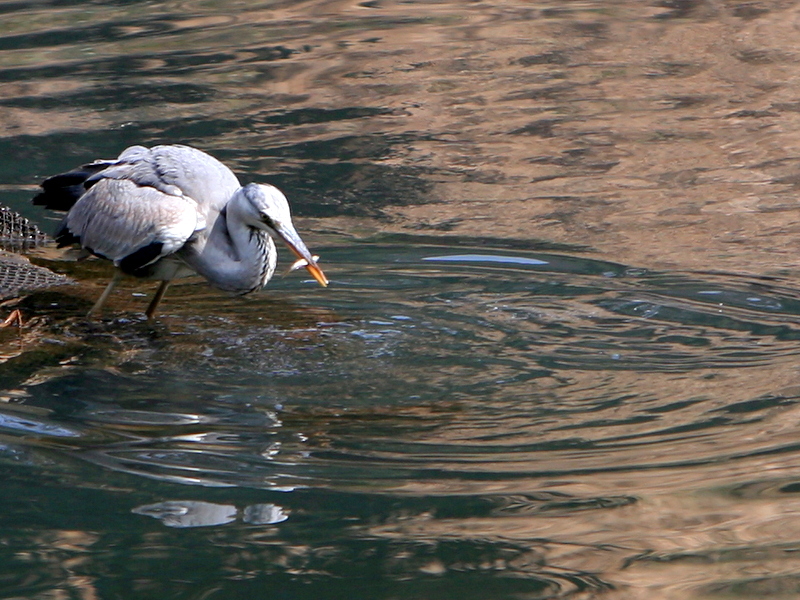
(553, 431)
(549, 412)
(589, 388)
(206, 514)
(577, 122)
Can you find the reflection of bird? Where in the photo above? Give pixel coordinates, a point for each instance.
(170, 211)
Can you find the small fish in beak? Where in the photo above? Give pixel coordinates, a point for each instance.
(311, 266)
(300, 263)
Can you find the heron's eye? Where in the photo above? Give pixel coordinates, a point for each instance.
(267, 220)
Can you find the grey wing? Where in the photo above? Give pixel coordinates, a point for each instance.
(132, 225)
(175, 170)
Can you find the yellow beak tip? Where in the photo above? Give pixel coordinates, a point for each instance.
(317, 274)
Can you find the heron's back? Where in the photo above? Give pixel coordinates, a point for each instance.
(197, 174)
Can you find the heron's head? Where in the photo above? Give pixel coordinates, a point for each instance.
(267, 208)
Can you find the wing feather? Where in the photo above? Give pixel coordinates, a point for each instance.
(176, 170)
(115, 218)
(143, 206)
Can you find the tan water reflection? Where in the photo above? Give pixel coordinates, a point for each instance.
(661, 136)
(690, 531)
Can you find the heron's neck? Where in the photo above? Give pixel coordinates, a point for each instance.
(234, 256)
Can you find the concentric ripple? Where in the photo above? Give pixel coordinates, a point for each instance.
(429, 367)
(445, 415)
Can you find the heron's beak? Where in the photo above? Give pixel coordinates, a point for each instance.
(296, 245)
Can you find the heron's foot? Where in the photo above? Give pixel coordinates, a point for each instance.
(15, 318)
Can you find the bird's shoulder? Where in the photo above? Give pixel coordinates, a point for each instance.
(140, 166)
(174, 170)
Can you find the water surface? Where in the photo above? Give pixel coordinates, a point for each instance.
(558, 354)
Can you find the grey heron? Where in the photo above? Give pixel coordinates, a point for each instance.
(170, 211)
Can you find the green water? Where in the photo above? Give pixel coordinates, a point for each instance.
(464, 413)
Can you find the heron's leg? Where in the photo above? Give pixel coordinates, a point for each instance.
(162, 289)
(106, 293)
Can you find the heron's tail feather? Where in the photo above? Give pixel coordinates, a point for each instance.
(61, 192)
